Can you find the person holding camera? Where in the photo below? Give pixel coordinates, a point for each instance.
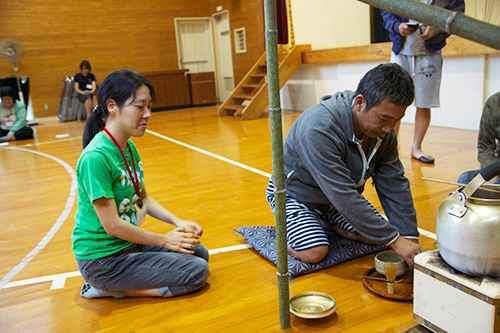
(417, 48)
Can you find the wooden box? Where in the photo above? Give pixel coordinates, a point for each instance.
(449, 301)
(202, 88)
(171, 88)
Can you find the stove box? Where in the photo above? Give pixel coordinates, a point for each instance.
(445, 300)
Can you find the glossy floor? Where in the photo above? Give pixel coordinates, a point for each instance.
(206, 168)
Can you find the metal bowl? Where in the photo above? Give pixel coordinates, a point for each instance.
(389, 257)
(312, 305)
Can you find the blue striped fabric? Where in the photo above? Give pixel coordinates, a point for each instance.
(305, 225)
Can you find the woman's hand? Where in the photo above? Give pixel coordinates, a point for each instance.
(190, 226)
(181, 240)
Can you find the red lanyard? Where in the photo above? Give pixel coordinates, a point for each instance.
(364, 141)
(134, 181)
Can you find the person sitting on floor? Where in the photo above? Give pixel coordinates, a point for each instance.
(331, 150)
(86, 86)
(116, 257)
(488, 139)
(13, 117)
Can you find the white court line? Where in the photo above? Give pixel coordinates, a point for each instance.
(57, 225)
(227, 160)
(422, 231)
(49, 142)
(59, 280)
(230, 248)
(36, 144)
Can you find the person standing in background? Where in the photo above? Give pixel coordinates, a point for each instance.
(417, 48)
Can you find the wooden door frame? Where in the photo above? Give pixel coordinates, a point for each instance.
(220, 80)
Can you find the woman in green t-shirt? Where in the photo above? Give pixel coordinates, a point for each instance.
(114, 255)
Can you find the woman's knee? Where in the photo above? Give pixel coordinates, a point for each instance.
(199, 273)
(202, 252)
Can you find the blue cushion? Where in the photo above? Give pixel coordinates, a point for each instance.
(263, 239)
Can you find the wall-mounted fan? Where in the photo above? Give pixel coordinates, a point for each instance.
(12, 51)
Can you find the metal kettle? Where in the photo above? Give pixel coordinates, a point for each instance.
(468, 227)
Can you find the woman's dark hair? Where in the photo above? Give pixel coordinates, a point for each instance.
(8, 91)
(387, 80)
(118, 86)
(85, 64)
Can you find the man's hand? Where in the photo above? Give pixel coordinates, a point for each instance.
(493, 180)
(10, 137)
(407, 249)
(405, 30)
(428, 33)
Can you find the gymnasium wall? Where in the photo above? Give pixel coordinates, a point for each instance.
(466, 83)
(112, 34)
(331, 23)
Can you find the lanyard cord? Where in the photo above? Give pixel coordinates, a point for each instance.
(366, 162)
(134, 182)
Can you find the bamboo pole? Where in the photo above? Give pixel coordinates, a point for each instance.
(277, 152)
(452, 22)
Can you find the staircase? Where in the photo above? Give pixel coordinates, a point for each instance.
(250, 99)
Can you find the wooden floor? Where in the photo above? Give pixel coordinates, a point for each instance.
(39, 280)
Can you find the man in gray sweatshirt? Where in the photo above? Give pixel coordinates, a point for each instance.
(330, 152)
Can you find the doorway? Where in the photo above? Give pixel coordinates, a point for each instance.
(223, 55)
(194, 44)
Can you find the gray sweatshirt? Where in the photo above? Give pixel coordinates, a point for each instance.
(489, 132)
(325, 167)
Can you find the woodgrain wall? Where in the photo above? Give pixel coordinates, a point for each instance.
(111, 35)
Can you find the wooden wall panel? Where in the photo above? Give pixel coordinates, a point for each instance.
(110, 34)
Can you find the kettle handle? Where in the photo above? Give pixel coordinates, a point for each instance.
(485, 174)
(490, 171)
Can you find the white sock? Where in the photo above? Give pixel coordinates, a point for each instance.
(91, 292)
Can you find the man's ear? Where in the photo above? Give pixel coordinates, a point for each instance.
(111, 106)
(359, 103)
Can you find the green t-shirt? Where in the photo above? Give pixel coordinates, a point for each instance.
(101, 172)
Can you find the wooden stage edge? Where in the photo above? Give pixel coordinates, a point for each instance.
(456, 47)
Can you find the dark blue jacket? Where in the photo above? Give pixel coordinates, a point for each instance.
(434, 44)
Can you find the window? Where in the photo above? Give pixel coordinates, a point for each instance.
(240, 43)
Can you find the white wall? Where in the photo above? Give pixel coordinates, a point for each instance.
(465, 85)
(331, 23)
(339, 23)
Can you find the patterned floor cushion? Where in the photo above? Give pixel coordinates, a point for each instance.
(263, 239)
